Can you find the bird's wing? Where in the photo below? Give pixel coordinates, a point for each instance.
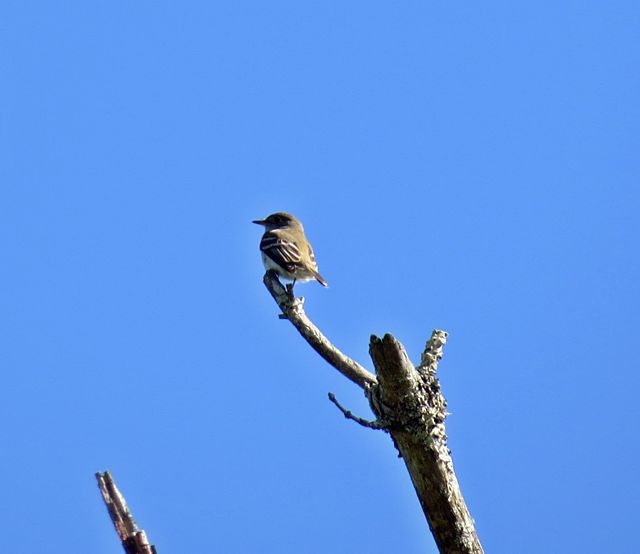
(281, 251)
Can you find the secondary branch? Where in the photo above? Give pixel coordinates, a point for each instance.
(293, 310)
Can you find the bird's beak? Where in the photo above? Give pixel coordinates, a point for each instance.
(259, 222)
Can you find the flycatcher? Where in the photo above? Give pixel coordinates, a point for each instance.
(286, 250)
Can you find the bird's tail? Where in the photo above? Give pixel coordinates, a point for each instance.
(319, 278)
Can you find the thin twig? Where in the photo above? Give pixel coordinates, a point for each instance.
(349, 415)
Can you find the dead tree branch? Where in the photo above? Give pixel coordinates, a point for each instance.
(134, 540)
(360, 420)
(408, 403)
(293, 311)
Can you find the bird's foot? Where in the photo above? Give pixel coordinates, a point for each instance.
(289, 289)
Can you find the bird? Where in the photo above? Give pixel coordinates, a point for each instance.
(286, 250)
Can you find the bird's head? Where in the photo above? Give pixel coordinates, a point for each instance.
(277, 221)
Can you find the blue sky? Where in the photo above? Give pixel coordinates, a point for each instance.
(470, 167)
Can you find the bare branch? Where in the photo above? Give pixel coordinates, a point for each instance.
(349, 415)
(432, 352)
(134, 540)
(292, 309)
